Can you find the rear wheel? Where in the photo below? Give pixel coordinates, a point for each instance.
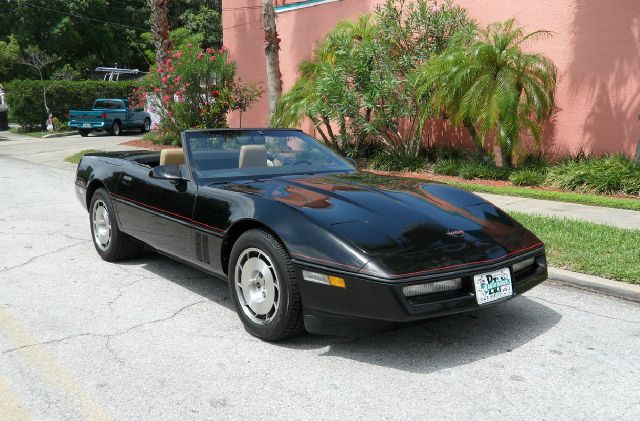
(116, 129)
(147, 125)
(84, 133)
(263, 286)
(111, 243)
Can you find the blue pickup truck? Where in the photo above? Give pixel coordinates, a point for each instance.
(110, 115)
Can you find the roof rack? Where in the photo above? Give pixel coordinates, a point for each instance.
(112, 74)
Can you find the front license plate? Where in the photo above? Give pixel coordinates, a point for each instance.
(86, 125)
(492, 286)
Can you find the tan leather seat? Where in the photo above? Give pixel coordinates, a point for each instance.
(172, 157)
(253, 156)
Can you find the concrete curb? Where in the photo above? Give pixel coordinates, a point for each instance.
(605, 286)
(49, 136)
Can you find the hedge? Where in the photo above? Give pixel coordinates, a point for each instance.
(26, 105)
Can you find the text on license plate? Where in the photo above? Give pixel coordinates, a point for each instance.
(492, 286)
(86, 124)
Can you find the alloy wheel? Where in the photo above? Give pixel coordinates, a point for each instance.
(257, 286)
(101, 224)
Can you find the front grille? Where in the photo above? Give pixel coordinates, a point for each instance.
(466, 287)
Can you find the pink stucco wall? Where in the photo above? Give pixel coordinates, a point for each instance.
(596, 48)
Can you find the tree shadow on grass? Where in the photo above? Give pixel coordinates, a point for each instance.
(422, 347)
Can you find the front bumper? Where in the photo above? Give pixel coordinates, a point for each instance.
(367, 304)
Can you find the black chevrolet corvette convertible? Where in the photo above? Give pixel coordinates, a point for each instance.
(305, 240)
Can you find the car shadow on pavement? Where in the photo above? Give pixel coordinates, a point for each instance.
(445, 342)
(422, 347)
(203, 284)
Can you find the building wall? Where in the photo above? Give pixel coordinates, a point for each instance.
(596, 47)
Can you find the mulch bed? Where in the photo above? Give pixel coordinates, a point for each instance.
(436, 177)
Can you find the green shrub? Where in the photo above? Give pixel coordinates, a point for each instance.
(437, 153)
(533, 161)
(27, 105)
(447, 167)
(195, 89)
(527, 177)
(613, 174)
(483, 170)
(363, 149)
(162, 138)
(398, 162)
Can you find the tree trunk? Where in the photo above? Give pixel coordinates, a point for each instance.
(477, 140)
(44, 93)
(506, 157)
(160, 28)
(271, 51)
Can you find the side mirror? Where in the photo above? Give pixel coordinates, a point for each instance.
(138, 110)
(167, 172)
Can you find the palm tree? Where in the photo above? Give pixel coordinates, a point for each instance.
(327, 91)
(160, 28)
(492, 86)
(272, 55)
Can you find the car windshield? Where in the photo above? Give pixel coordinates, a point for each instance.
(258, 153)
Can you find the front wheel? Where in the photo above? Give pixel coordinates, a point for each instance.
(264, 287)
(111, 243)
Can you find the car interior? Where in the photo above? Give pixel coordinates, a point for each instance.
(248, 156)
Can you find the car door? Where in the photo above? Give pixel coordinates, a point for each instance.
(157, 211)
(128, 118)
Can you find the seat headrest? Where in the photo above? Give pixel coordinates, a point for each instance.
(253, 156)
(172, 157)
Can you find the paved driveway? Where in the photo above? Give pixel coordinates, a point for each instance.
(51, 152)
(154, 339)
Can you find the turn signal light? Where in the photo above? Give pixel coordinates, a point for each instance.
(432, 287)
(320, 278)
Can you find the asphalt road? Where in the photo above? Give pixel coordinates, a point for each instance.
(154, 339)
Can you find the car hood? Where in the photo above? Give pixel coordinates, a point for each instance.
(401, 224)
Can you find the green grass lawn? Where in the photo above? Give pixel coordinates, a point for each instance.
(582, 198)
(75, 158)
(32, 134)
(584, 247)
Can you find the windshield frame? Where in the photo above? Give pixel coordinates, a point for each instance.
(186, 147)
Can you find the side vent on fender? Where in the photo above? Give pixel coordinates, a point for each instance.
(202, 248)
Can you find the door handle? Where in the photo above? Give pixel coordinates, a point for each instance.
(126, 179)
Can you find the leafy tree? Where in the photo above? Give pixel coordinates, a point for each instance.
(83, 33)
(360, 79)
(38, 60)
(86, 34)
(9, 53)
(201, 17)
(492, 84)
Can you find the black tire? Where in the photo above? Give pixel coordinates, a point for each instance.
(119, 245)
(286, 320)
(116, 129)
(84, 133)
(147, 125)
